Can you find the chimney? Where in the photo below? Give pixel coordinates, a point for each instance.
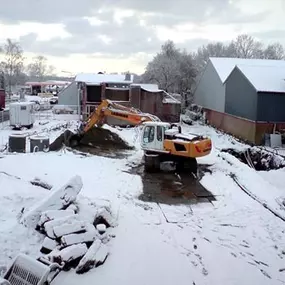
(128, 77)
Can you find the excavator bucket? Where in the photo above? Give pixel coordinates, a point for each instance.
(28, 271)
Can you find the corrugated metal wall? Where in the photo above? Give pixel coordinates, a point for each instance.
(210, 91)
(271, 107)
(69, 96)
(241, 96)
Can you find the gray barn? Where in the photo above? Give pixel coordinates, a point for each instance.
(256, 93)
(245, 97)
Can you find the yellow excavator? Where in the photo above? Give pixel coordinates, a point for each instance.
(161, 141)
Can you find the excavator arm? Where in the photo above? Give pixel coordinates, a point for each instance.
(108, 108)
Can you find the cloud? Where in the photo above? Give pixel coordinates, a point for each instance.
(270, 35)
(42, 11)
(158, 12)
(126, 38)
(127, 28)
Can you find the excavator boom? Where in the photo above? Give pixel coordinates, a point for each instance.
(111, 109)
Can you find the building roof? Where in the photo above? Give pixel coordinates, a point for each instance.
(224, 65)
(46, 83)
(265, 78)
(153, 88)
(95, 78)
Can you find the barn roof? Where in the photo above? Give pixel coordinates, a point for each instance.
(102, 78)
(224, 65)
(265, 78)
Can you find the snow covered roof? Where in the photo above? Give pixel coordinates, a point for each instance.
(225, 65)
(265, 78)
(170, 100)
(102, 78)
(153, 88)
(148, 87)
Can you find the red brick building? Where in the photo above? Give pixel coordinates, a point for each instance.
(145, 97)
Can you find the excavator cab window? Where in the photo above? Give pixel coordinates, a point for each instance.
(148, 135)
(159, 133)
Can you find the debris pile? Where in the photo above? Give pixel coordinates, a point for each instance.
(257, 158)
(96, 137)
(72, 239)
(193, 113)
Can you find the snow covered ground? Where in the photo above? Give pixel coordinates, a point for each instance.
(233, 240)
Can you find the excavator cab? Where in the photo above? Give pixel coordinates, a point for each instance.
(163, 141)
(153, 134)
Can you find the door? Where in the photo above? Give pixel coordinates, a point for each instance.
(159, 137)
(149, 137)
(153, 137)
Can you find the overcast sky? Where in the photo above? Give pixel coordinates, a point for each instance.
(120, 35)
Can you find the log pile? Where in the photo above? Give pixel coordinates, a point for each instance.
(69, 238)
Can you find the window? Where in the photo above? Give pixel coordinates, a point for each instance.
(148, 135)
(159, 133)
(23, 108)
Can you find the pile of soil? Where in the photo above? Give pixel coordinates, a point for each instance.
(96, 137)
(261, 159)
(99, 137)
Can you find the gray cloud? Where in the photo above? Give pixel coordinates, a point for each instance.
(164, 12)
(127, 38)
(270, 34)
(43, 11)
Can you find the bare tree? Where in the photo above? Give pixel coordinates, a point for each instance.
(210, 50)
(173, 70)
(13, 62)
(39, 68)
(274, 51)
(245, 46)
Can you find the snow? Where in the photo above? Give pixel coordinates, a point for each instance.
(93, 78)
(169, 100)
(21, 104)
(224, 66)
(69, 228)
(233, 240)
(265, 78)
(148, 87)
(90, 255)
(70, 253)
(49, 243)
(49, 226)
(101, 228)
(54, 214)
(56, 200)
(88, 236)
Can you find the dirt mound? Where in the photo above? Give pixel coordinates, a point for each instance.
(259, 158)
(96, 137)
(99, 137)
